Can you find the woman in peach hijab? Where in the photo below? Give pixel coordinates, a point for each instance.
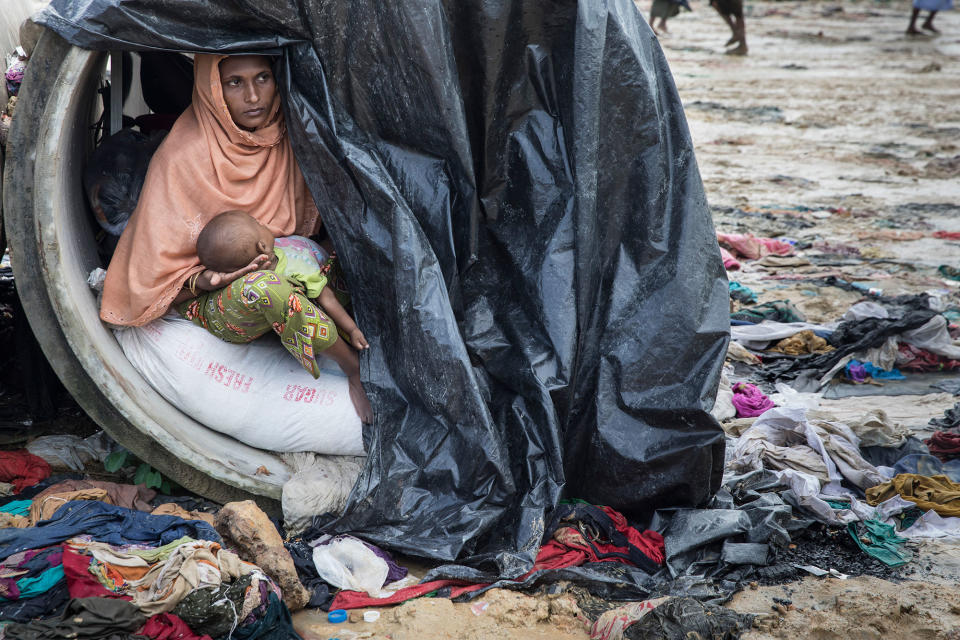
(228, 151)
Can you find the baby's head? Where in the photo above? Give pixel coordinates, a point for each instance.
(231, 241)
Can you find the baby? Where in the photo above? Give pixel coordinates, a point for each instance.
(233, 239)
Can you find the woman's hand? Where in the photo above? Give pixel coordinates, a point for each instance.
(213, 280)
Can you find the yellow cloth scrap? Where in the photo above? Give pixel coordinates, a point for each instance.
(44, 507)
(801, 344)
(171, 509)
(10, 521)
(928, 492)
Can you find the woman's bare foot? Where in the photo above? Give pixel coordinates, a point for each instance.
(929, 27)
(913, 31)
(360, 401)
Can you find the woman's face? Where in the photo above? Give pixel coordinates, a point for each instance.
(248, 89)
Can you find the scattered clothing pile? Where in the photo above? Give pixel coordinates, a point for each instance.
(792, 463)
(86, 558)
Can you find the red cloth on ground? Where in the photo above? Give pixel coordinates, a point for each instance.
(650, 542)
(22, 468)
(80, 582)
(166, 626)
(947, 235)
(568, 548)
(917, 359)
(358, 599)
(944, 445)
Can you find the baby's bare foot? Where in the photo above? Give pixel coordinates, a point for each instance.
(360, 401)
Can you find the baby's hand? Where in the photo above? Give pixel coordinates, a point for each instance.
(357, 339)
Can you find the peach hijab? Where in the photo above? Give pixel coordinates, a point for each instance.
(206, 165)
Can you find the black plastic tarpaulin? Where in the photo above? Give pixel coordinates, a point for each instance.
(512, 190)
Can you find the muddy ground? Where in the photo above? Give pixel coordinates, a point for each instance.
(839, 131)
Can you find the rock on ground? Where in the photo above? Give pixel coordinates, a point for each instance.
(247, 529)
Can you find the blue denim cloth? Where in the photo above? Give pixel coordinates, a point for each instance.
(927, 465)
(106, 523)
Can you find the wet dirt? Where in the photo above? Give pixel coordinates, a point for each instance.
(865, 608)
(835, 125)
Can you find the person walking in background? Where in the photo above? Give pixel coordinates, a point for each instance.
(664, 9)
(933, 6)
(732, 13)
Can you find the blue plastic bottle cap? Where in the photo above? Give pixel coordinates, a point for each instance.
(337, 616)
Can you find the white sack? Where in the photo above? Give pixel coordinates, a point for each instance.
(257, 392)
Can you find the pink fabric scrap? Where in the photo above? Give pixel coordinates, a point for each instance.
(749, 401)
(751, 247)
(729, 262)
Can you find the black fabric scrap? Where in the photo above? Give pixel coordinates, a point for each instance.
(608, 580)
(212, 611)
(686, 618)
(84, 618)
(851, 336)
(949, 386)
(950, 419)
(188, 503)
(47, 604)
(887, 456)
(274, 624)
(746, 509)
(302, 555)
(745, 553)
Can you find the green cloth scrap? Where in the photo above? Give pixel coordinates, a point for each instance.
(17, 507)
(778, 311)
(742, 293)
(157, 554)
(949, 272)
(880, 541)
